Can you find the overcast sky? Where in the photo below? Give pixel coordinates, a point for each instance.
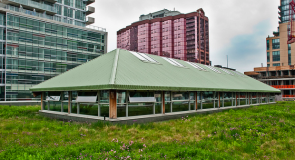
(237, 28)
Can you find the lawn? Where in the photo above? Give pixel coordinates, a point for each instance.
(260, 132)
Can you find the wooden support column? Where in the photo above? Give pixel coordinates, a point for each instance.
(113, 104)
(69, 102)
(196, 100)
(163, 102)
(42, 102)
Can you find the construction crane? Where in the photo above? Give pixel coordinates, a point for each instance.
(291, 33)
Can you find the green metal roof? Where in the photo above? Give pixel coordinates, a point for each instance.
(121, 70)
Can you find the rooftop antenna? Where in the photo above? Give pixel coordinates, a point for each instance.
(227, 60)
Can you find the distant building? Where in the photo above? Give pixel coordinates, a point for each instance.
(279, 53)
(42, 39)
(281, 77)
(280, 57)
(169, 34)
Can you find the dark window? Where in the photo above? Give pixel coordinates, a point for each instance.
(276, 56)
(276, 44)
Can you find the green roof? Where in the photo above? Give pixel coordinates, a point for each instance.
(121, 70)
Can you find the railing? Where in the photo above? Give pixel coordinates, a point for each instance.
(55, 18)
(36, 5)
(283, 86)
(289, 96)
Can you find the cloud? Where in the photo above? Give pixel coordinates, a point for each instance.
(229, 22)
(245, 51)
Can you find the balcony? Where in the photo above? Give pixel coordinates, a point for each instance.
(39, 7)
(288, 96)
(283, 86)
(51, 1)
(90, 10)
(89, 1)
(276, 33)
(90, 20)
(54, 18)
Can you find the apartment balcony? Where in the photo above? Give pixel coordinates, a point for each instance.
(31, 5)
(90, 20)
(276, 33)
(89, 1)
(51, 1)
(283, 86)
(288, 96)
(90, 10)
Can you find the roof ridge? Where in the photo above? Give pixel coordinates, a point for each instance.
(114, 70)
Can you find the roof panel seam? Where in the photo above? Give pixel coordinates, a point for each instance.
(114, 70)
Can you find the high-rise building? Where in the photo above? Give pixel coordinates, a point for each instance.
(278, 51)
(43, 38)
(169, 34)
(280, 57)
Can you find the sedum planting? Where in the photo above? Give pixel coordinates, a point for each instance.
(260, 132)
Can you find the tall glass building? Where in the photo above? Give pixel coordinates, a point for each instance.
(43, 38)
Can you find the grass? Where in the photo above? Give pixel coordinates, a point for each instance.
(260, 132)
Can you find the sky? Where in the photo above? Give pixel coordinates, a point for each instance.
(236, 28)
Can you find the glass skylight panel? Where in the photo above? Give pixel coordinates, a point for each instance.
(213, 69)
(173, 62)
(238, 73)
(226, 71)
(138, 56)
(148, 58)
(196, 66)
(143, 57)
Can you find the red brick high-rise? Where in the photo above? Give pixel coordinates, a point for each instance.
(169, 34)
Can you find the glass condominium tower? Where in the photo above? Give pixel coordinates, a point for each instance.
(43, 38)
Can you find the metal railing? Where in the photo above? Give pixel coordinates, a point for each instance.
(42, 15)
(36, 5)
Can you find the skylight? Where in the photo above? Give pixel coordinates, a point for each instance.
(226, 71)
(238, 73)
(196, 66)
(213, 69)
(173, 62)
(143, 57)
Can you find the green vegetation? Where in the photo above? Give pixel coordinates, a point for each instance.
(260, 132)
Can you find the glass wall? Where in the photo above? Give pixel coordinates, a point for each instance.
(228, 99)
(158, 104)
(121, 104)
(52, 101)
(208, 99)
(253, 98)
(180, 101)
(135, 103)
(272, 97)
(263, 98)
(168, 105)
(37, 51)
(243, 98)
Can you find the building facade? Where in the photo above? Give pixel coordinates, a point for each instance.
(280, 77)
(279, 52)
(41, 39)
(169, 34)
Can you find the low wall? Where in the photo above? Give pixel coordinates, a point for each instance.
(20, 103)
(134, 119)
